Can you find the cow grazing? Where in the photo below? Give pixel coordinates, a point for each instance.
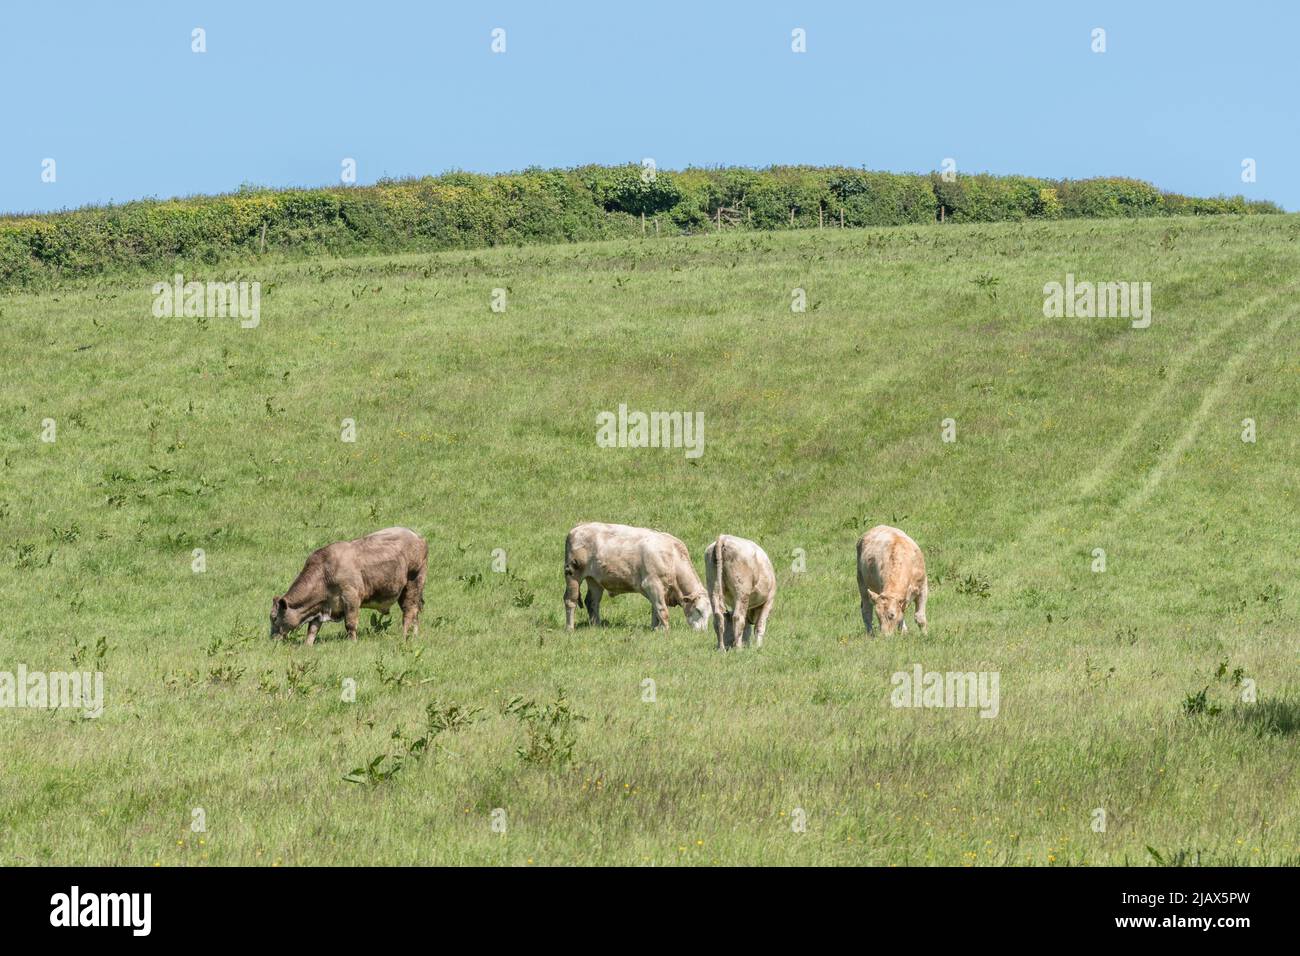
(618, 559)
(891, 572)
(341, 578)
(739, 574)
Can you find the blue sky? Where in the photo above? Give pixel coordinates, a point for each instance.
(112, 92)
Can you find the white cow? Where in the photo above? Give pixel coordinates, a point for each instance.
(621, 559)
(891, 572)
(740, 575)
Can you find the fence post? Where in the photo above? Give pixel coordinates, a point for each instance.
(841, 217)
(643, 223)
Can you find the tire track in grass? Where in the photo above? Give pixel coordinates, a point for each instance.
(1106, 468)
(1209, 400)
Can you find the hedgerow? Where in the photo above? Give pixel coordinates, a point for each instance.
(465, 210)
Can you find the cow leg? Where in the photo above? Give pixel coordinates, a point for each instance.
(409, 602)
(658, 607)
(740, 621)
(409, 624)
(659, 616)
(594, 593)
(761, 627)
(867, 609)
(312, 628)
(572, 592)
(920, 605)
(350, 612)
(721, 627)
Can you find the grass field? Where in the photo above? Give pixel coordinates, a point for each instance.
(477, 428)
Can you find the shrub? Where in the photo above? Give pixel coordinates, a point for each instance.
(629, 189)
(1109, 198)
(882, 199)
(770, 199)
(986, 198)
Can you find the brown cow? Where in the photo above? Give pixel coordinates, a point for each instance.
(621, 559)
(891, 572)
(739, 571)
(341, 578)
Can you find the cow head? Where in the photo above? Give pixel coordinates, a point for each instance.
(699, 611)
(283, 618)
(890, 610)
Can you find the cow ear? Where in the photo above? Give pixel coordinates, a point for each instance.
(280, 604)
(875, 598)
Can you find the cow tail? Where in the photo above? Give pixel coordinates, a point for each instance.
(718, 597)
(569, 569)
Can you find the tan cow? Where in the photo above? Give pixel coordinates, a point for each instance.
(739, 573)
(621, 559)
(341, 578)
(891, 572)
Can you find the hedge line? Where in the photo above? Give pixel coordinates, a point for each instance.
(462, 210)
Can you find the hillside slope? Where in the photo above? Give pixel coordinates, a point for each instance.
(478, 428)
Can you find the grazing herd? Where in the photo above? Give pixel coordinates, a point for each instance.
(389, 567)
